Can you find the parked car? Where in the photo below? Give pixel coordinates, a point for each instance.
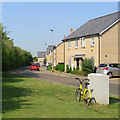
(34, 67)
(38, 64)
(110, 69)
(47, 64)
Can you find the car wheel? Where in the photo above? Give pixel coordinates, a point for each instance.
(110, 75)
(38, 70)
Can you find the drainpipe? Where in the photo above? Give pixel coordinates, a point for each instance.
(64, 55)
(99, 49)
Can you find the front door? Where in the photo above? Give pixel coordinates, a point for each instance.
(77, 62)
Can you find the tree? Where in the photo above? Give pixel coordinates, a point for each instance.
(36, 59)
(12, 56)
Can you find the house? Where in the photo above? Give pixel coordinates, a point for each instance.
(58, 52)
(41, 56)
(49, 53)
(97, 39)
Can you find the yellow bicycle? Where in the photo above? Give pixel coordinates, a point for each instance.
(85, 94)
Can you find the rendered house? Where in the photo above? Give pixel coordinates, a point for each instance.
(97, 39)
(49, 53)
(58, 54)
(41, 56)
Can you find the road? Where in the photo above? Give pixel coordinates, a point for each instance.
(62, 78)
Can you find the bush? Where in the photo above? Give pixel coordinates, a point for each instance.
(67, 69)
(59, 67)
(74, 71)
(87, 66)
(77, 68)
(50, 67)
(73, 68)
(70, 70)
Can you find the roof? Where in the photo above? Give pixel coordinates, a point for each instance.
(95, 26)
(41, 54)
(49, 48)
(59, 44)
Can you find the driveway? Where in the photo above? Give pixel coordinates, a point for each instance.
(62, 78)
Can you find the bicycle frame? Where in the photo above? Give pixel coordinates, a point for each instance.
(83, 95)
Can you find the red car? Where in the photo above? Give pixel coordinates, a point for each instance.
(34, 67)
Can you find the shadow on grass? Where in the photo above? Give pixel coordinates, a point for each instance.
(11, 93)
(114, 100)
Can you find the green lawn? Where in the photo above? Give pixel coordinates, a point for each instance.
(32, 98)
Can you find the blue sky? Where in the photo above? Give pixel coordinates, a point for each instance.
(30, 22)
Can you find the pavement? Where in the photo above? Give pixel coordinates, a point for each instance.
(115, 80)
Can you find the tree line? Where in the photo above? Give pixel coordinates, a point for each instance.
(12, 57)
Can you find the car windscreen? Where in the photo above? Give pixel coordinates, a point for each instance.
(102, 65)
(35, 65)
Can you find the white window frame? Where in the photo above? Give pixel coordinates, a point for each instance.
(54, 62)
(93, 61)
(69, 44)
(55, 50)
(69, 61)
(83, 44)
(92, 41)
(76, 43)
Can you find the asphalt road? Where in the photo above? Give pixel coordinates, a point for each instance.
(63, 79)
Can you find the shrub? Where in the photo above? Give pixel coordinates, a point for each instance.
(59, 67)
(74, 71)
(73, 68)
(87, 66)
(50, 67)
(77, 68)
(70, 70)
(67, 69)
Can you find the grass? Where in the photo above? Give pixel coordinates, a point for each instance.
(32, 98)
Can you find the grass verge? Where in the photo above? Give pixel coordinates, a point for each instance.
(32, 98)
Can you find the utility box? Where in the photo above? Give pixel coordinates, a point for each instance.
(99, 84)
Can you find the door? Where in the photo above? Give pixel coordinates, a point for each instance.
(77, 63)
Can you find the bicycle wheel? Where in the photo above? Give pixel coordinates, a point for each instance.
(87, 94)
(87, 97)
(92, 100)
(78, 95)
(88, 101)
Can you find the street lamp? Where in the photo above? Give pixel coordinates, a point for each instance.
(52, 49)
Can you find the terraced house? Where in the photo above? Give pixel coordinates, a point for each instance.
(97, 39)
(58, 52)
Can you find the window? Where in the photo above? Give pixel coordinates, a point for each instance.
(55, 50)
(50, 52)
(69, 44)
(83, 42)
(115, 65)
(92, 41)
(69, 62)
(93, 60)
(54, 62)
(76, 43)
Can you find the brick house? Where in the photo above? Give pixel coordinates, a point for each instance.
(97, 39)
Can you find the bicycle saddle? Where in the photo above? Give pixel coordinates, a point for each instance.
(77, 78)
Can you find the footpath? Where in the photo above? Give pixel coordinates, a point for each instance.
(115, 80)
(57, 73)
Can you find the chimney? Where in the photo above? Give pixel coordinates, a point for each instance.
(71, 30)
(64, 36)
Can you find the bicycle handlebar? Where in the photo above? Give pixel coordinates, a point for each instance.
(82, 80)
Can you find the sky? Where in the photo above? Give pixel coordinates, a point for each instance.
(29, 23)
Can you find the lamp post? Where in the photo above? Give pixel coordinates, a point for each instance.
(52, 49)
(45, 59)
